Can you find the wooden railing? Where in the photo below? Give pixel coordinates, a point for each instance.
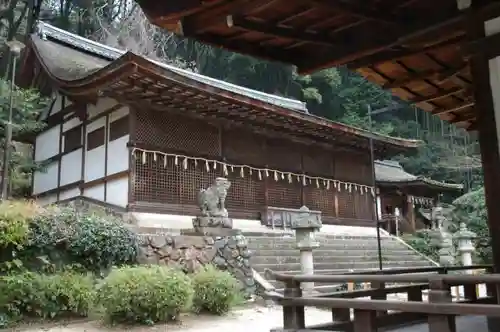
(377, 312)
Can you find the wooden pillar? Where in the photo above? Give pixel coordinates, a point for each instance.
(485, 70)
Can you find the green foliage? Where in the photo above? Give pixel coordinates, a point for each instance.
(64, 236)
(101, 243)
(422, 242)
(215, 291)
(471, 210)
(30, 294)
(145, 295)
(14, 231)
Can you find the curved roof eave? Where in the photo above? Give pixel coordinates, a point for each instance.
(128, 62)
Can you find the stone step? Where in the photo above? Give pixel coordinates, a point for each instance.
(330, 247)
(258, 259)
(289, 268)
(321, 252)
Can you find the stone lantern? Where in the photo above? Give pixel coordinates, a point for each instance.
(465, 244)
(305, 225)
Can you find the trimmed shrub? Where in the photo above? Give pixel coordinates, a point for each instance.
(144, 294)
(64, 236)
(422, 242)
(215, 291)
(102, 243)
(46, 296)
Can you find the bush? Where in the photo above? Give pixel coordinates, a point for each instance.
(144, 294)
(46, 296)
(14, 231)
(422, 242)
(102, 243)
(215, 291)
(65, 236)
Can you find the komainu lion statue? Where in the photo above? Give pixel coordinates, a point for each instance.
(212, 200)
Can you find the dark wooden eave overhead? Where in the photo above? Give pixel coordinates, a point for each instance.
(413, 47)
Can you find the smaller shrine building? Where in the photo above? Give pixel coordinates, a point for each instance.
(402, 197)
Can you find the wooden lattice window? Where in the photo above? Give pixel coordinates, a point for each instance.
(346, 204)
(283, 194)
(246, 193)
(72, 139)
(317, 162)
(283, 155)
(173, 132)
(243, 147)
(119, 128)
(194, 178)
(320, 199)
(95, 138)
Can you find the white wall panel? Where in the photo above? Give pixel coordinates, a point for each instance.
(70, 193)
(71, 167)
(118, 155)
(44, 181)
(96, 192)
(117, 192)
(47, 144)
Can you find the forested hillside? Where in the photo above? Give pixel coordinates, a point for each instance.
(448, 154)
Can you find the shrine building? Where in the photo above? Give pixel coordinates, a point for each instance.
(139, 135)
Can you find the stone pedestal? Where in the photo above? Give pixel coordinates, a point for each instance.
(305, 226)
(465, 245)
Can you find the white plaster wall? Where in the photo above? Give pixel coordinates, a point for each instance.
(117, 192)
(71, 167)
(71, 123)
(46, 180)
(70, 193)
(118, 114)
(46, 200)
(95, 158)
(96, 192)
(118, 155)
(47, 144)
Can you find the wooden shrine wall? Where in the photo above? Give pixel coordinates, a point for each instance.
(174, 189)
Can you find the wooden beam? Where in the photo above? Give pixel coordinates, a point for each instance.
(439, 74)
(361, 11)
(488, 46)
(402, 53)
(459, 107)
(200, 23)
(280, 31)
(438, 95)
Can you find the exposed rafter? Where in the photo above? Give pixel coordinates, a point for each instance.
(202, 22)
(438, 95)
(440, 75)
(456, 108)
(280, 31)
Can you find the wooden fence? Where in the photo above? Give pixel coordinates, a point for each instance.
(377, 311)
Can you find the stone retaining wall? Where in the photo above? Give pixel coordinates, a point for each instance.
(190, 252)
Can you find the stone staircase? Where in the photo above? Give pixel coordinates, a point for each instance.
(336, 254)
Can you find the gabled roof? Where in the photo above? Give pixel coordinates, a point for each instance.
(391, 173)
(80, 67)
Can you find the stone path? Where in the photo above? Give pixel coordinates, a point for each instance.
(257, 319)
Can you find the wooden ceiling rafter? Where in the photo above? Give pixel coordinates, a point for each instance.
(201, 23)
(459, 107)
(438, 95)
(441, 75)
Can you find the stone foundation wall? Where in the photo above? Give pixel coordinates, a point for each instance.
(190, 252)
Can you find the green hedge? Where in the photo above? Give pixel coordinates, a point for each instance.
(215, 291)
(145, 294)
(48, 239)
(30, 294)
